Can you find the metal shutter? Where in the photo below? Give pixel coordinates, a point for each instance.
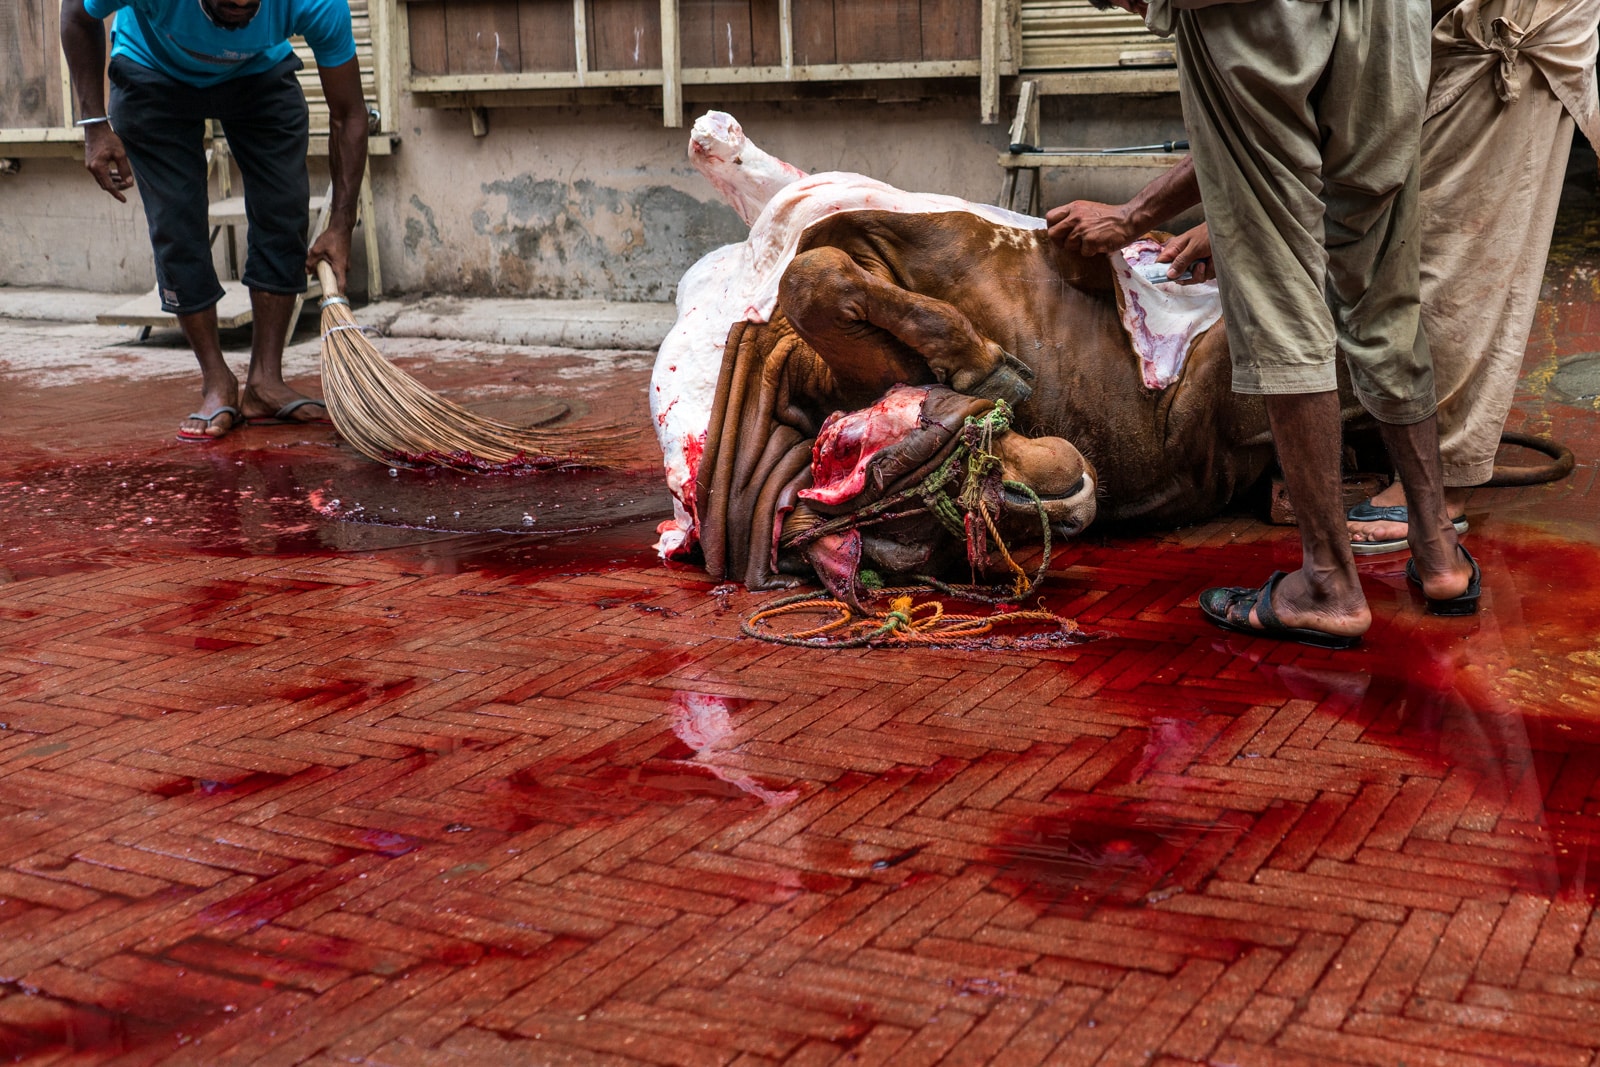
(362, 25)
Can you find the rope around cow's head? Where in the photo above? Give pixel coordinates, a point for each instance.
(964, 493)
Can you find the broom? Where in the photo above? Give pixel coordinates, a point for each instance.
(388, 415)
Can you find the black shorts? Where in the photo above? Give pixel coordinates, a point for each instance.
(162, 125)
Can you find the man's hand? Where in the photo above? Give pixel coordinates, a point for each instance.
(1090, 228)
(83, 42)
(105, 158)
(1192, 248)
(333, 246)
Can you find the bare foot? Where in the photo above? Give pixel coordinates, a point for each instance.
(264, 402)
(1334, 616)
(217, 416)
(1455, 502)
(1446, 580)
(1296, 602)
(1394, 494)
(219, 423)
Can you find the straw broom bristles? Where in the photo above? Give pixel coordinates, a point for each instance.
(390, 416)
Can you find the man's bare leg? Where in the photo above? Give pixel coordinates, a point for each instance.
(1325, 593)
(265, 393)
(1414, 449)
(219, 388)
(1455, 501)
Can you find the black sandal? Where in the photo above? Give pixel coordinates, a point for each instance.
(1229, 607)
(1465, 604)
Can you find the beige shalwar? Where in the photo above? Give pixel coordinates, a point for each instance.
(1509, 76)
(1305, 119)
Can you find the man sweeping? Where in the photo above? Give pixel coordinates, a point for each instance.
(175, 64)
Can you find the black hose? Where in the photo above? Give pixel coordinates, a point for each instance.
(1560, 465)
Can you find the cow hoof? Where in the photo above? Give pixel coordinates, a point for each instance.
(1008, 382)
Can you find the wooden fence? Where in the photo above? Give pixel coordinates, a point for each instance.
(514, 45)
(30, 64)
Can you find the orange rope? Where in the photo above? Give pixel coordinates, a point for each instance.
(905, 623)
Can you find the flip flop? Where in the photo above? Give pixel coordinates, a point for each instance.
(1367, 511)
(238, 420)
(1465, 604)
(281, 417)
(1229, 607)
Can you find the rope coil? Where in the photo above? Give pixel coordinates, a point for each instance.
(905, 624)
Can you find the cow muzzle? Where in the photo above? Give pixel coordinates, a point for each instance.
(1058, 473)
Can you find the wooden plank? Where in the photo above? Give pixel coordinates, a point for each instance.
(481, 36)
(696, 19)
(547, 37)
(548, 79)
(425, 21)
(766, 33)
(58, 80)
(624, 35)
(717, 33)
(1092, 161)
(731, 34)
(229, 211)
(233, 310)
(951, 29)
(387, 18)
(580, 36)
(369, 231)
(989, 80)
(1107, 82)
(38, 135)
(671, 66)
(814, 43)
(885, 31)
(26, 68)
(771, 77)
(1025, 127)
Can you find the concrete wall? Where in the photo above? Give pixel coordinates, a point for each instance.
(57, 228)
(577, 202)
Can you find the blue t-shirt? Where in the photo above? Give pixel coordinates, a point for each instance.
(178, 38)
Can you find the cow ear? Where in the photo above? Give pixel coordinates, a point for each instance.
(836, 559)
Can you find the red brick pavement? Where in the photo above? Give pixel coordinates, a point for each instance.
(277, 788)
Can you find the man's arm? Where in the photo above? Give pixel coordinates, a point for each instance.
(1094, 229)
(83, 41)
(347, 161)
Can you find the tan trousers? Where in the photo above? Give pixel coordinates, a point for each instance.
(1492, 171)
(1304, 120)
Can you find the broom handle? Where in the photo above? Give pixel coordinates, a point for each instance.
(325, 275)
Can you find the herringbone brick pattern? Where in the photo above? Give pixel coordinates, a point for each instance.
(280, 789)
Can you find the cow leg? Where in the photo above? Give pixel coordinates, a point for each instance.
(875, 334)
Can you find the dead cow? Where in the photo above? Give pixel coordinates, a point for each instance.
(963, 298)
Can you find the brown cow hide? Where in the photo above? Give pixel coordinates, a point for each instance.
(765, 419)
(757, 451)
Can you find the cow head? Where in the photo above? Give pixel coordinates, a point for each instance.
(928, 443)
(1061, 476)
